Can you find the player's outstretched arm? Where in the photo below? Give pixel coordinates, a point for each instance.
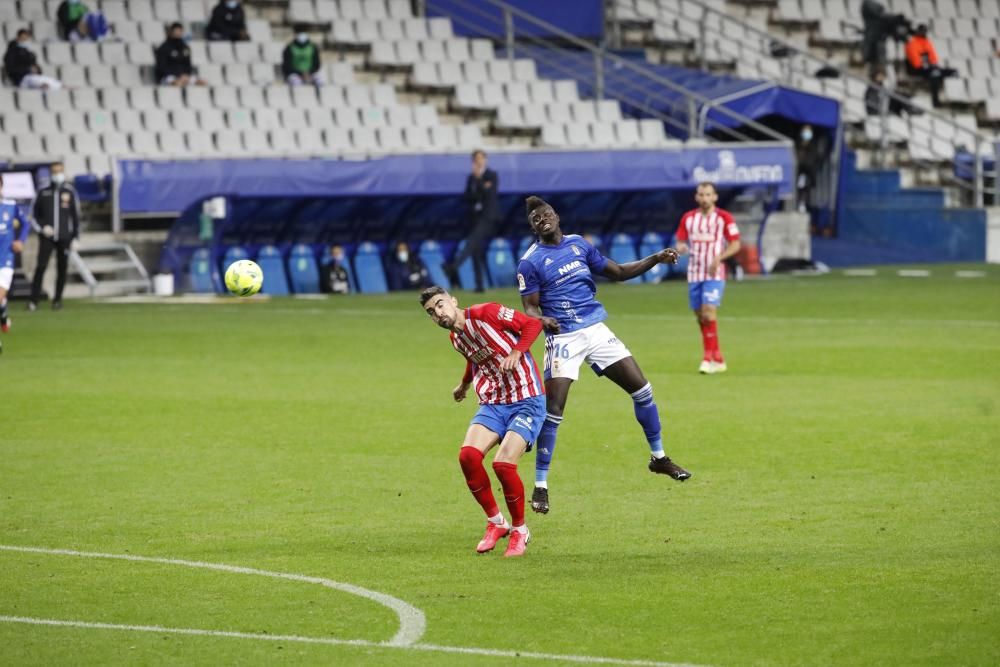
(532, 308)
(615, 271)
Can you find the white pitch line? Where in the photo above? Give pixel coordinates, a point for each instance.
(496, 653)
(860, 272)
(913, 273)
(970, 274)
(412, 622)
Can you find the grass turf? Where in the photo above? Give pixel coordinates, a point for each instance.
(844, 508)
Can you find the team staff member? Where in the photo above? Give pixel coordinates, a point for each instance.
(57, 212)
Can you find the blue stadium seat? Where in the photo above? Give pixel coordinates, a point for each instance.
(302, 270)
(623, 251)
(233, 254)
(347, 267)
(368, 269)
(433, 257)
(523, 246)
(202, 279)
(681, 267)
(652, 242)
(501, 264)
(467, 273)
(271, 264)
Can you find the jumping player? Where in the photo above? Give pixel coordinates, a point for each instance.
(555, 278)
(713, 238)
(9, 244)
(496, 343)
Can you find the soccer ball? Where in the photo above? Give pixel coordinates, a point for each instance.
(244, 278)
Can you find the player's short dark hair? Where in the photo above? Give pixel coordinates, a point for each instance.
(710, 184)
(430, 293)
(533, 202)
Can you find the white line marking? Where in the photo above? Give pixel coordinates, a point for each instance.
(411, 620)
(585, 659)
(860, 272)
(970, 274)
(913, 273)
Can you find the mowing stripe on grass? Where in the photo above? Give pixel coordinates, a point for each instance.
(584, 659)
(411, 620)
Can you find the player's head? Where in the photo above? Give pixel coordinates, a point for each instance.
(441, 306)
(706, 195)
(542, 217)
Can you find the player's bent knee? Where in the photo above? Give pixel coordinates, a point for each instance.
(468, 455)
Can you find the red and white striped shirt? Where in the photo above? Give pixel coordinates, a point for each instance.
(491, 332)
(707, 236)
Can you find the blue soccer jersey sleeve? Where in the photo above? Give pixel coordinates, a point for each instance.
(527, 278)
(595, 260)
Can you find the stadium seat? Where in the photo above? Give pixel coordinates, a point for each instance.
(652, 242)
(432, 256)
(623, 251)
(273, 268)
(233, 254)
(467, 273)
(203, 279)
(501, 264)
(368, 269)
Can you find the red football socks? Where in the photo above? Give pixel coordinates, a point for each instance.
(712, 333)
(471, 460)
(513, 490)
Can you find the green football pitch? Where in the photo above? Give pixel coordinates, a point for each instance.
(844, 508)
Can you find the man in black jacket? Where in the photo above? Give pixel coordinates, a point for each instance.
(228, 22)
(57, 212)
(173, 60)
(484, 209)
(22, 64)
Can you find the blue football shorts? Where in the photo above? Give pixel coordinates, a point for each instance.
(524, 418)
(706, 292)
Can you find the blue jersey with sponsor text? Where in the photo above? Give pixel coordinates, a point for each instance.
(563, 277)
(9, 212)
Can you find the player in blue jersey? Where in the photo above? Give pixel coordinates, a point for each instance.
(11, 241)
(556, 281)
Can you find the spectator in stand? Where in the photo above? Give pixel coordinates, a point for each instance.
(922, 60)
(405, 270)
(22, 65)
(877, 96)
(77, 23)
(173, 60)
(484, 210)
(228, 22)
(300, 62)
(334, 277)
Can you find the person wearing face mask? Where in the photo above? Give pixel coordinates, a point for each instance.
(405, 270)
(334, 277)
(173, 60)
(228, 22)
(78, 23)
(300, 61)
(22, 65)
(57, 213)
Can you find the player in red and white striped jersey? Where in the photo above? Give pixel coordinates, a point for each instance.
(711, 237)
(496, 343)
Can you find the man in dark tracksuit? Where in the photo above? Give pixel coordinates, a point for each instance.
(484, 209)
(57, 212)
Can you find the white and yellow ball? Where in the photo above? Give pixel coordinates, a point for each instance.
(244, 278)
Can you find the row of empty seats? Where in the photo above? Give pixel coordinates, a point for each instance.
(113, 10)
(645, 133)
(323, 12)
(151, 32)
(141, 53)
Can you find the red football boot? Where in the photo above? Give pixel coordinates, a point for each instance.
(492, 535)
(518, 541)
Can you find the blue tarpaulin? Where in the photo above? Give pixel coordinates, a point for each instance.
(172, 186)
(580, 18)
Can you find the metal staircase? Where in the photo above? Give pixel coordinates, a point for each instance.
(106, 268)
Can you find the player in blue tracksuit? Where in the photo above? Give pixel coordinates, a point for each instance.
(556, 281)
(13, 234)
